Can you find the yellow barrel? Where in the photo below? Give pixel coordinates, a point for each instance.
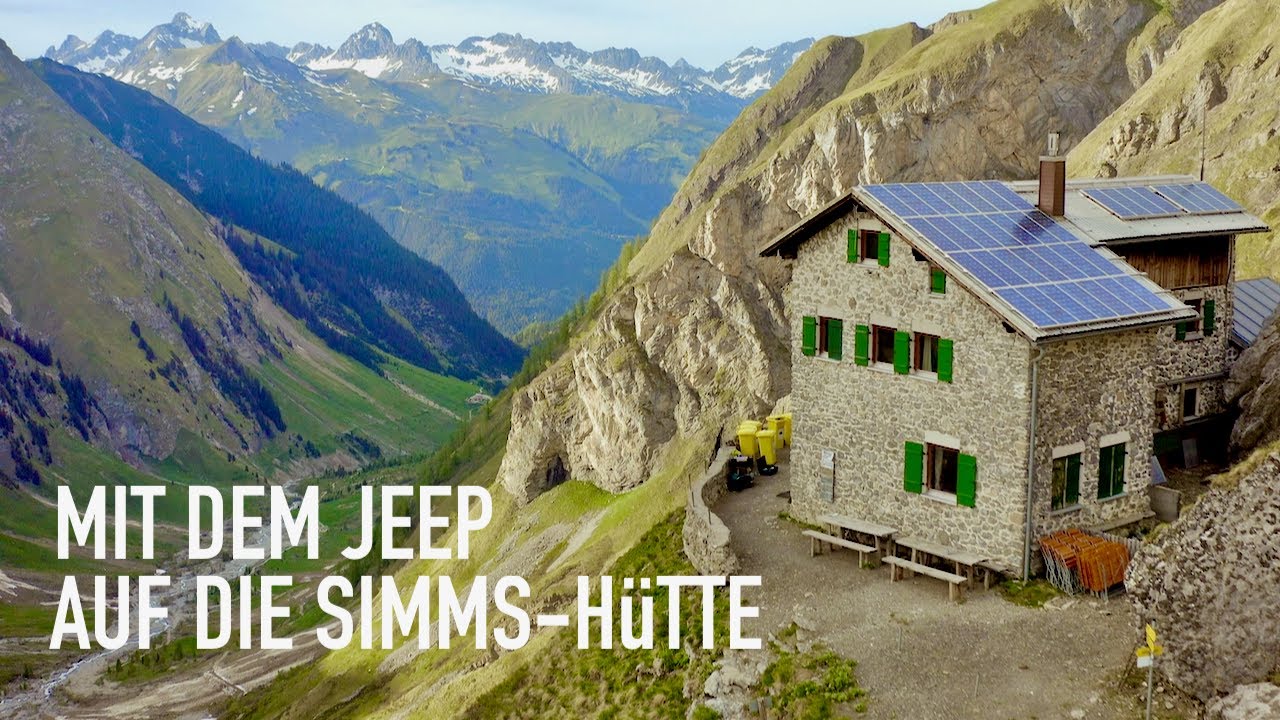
(747, 438)
(775, 425)
(766, 438)
(786, 429)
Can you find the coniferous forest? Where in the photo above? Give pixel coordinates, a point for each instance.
(340, 272)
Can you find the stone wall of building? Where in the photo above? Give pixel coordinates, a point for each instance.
(1201, 360)
(1093, 390)
(866, 414)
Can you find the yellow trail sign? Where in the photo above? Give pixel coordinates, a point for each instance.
(1153, 648)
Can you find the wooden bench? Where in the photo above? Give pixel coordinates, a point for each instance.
(818, 539)
(903, 568)
(990, 570)
(881, 535)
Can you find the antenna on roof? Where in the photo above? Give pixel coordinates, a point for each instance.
(1203, 132)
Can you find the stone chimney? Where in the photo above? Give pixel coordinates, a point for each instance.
(1053, 180)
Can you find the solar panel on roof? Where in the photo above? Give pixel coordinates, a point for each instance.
(1047, 274)
(1132, 203)
(1198, 198)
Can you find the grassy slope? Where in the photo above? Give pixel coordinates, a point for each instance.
(434, 684)
(884, 76)
(1235, 43)
(91, 240)
(87, 219)
(834, 67)
(353, 684)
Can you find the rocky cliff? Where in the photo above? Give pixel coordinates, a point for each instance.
(1254, 387)
(698, 337)
(1213, 587)
(1216, 87)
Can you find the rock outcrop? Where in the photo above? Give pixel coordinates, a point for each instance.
(1260, 701)
(1254, 388)
(698, 336)
(1216, 87)
(1211, 584)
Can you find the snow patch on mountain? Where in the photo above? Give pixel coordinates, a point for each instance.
(486, 61)
(503, 60)
(372, 67)
(754, 70)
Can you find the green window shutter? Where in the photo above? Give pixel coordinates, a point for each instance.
(938, 281)
(944, 359)
(913, 468)
(1111, 471)
(1181, 331)
(1104, 472)
(1117, 469)
(853, 245)
(882, 253)
(835, 343)
(1210, 319)
(967, 481)
(901, 352)
(861, 345)
(809, 336)
(1073, 479)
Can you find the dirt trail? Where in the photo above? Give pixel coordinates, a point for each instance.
(921, 656)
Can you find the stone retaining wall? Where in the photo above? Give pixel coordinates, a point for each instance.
(706, 538)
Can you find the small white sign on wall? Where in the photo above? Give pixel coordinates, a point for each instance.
(828, 459)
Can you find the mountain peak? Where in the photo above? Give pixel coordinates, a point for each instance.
(103, 54)
(371, 41)
(182, 31)
(71, 44)
(184, 20)
(234, 50)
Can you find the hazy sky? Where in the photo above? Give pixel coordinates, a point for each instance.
(705, 32)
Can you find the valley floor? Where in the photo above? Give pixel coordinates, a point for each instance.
(920, 656)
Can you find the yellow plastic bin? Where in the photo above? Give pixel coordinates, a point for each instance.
(765, 438)
(747, 439)
(776, 426)
(786, 429)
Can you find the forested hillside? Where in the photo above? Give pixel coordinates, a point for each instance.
(334, 268)
(523, 196)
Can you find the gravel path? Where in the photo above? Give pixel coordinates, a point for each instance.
(919, 655)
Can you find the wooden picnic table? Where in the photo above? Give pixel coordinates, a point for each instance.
(882, 534)
(965, 562)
